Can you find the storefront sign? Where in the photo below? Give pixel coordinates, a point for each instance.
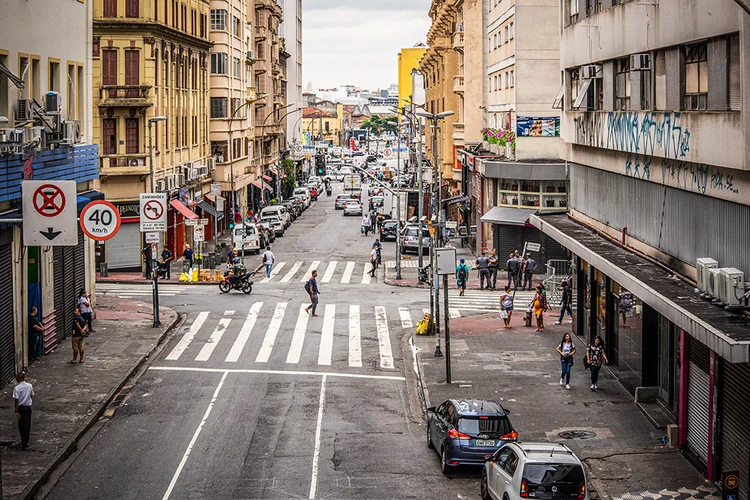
(152, 238)
(534, 126)
(730, 485)
(128, 209)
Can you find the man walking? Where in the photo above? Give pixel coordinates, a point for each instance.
(311, 287)
(566, 303)
(268, 260)
(462, 274)
(148, 257)
(483, 264)
(22, 394)
(79, 330)
(167, 258)
(36, 334)
(529, 268)
(366, 224)
(493, 269)
(373, 260)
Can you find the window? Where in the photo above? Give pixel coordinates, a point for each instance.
(218, 63)
(237, 148)
(71, 84)
(494, 42)
(507, 31)
(512, 35)
(175, 14)
(511, 464)
(80, 111)
(327, 126)
(4, 88)
(184, 17)
(218, 107)
(109, 136)
(109, 67)
(218, 20)
(646, 88)
(195, 130)
(54, 76)
(193, 22)
(235, 105)
(132, 71)
(131, 136)
(36, 79)
(696, 77)
(236, 67)
(507, 79)
(573, 9)
(184, 131)
(194, 76)
(512, 79)
(203, 26)
(622, 84)
(219, 150)
(132, 8)
(110, 8)
(236, 26)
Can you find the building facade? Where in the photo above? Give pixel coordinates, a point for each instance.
(293, 37)
(43, 138)
(151, 59)
(408, 60)
(655, 130)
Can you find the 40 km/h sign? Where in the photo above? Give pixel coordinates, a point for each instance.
(100, 220)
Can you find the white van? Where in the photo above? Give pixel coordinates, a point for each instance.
(305, 192)
(246, 238)
(277, 211)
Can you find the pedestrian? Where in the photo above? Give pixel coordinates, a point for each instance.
(311, 287)
(370, 206)
(87, 312)
(231, 254)
(373, 260)
(626, 304)
(79, 330)
(268, 260)
(148, 259)
(462, 275)
(595, 357)
(366, 225)
(379, 247)
(511, 267)
(373, 220)
(518, 267)
(237, 216)
(36, 334)
(22, 394)
(493, 269)
(506, 306)
(539, 305)
(529, 268)
(566, 304)
(566, 349)
(167, 258)
(483, 264)
(187, 254)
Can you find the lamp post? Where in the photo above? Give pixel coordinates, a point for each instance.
(435, 118)
(398, 200)
(278, 177)
(154, 273)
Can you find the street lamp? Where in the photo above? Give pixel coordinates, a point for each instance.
(278, 177)
(263, 134)
(398, 199)
(154, 272)
(435, 118)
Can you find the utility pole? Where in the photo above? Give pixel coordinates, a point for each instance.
(154, 272)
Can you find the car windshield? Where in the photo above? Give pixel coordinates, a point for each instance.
(240, 231)
(270, 220)
(494, 427)
(413, 231)
(553, 474)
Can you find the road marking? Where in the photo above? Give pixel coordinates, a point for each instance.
(298, 339)
(274, 271)
(273, 330)
(188, 337)
(454, 313)
(355, 338)
(308, 274)
(318, 426)
(194, 439)
(366, 275)
(329, 271)
(291, 272)
(228, 313)
(346, 278)
(213, 340)
(276, 372)
(384, 340)
(326, 336)
(244, 335)
(405, 317)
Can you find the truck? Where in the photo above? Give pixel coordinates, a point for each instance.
(353, 186)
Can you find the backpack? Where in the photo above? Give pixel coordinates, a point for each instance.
(543, 300)
(307, 287)
(462, 272)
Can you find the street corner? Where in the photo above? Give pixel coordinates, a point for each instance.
(114, 309)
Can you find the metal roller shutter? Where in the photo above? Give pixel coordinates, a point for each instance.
(7, 337)
(735, 431)
(698, 401)
(59, 277)
(70, 276)
(79, 258)
(124, 249)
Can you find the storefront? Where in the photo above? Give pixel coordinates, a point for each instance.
(69, 264)
(123, 250)
(7, 335)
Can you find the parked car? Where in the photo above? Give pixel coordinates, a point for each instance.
(410, 241)
(465, 431)
(302, 199)
(378, 201)
(275, 223)
(298, 205)
(246, 238)
(342, 200)
(353, 208)
(389, 231)
(268, 230)
(303, 191)
(278, 211)
(291, 208)
(533, 470)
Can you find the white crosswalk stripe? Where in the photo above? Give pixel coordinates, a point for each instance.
(366, 276)
(326, 336)
(244, 335)
(273, 330)
(384, 341)
(213, 341)
(308, 274)
(348, 272)
(291, 272)
(274, 272)
(329, 272)
(403, 312)
(188, 337)
(298, 339)
(143, 291)
(355, 337)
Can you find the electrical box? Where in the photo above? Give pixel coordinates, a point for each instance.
(702, 266)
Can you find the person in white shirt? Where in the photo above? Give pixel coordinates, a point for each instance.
(366, 224)
(268, 260)
(373, 260)
(22, 393)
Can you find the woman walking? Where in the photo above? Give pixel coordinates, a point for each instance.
(566, 349)
(540, 306)
(506, 306)
(595, 357)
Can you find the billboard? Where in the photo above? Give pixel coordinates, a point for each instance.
(538, 126)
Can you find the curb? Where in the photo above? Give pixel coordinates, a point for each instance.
(424, 395)
(148, 282)
(41, 478)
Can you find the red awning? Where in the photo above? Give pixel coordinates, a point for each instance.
(261, 185)
(180, 207)
(267, 178)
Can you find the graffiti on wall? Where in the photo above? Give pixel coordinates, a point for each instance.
(696, 177)
(646, 133)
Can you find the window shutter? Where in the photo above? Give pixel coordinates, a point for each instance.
(735, 94)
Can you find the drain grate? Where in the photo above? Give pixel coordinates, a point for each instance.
(577, 434)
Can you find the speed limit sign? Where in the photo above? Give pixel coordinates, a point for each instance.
(100, 220)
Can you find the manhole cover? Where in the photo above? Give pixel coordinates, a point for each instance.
(577, 435)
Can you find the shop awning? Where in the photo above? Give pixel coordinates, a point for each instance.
(267, 178)
(725, 333)
(180, 207)
(207, 208)
(85, 198)
(261, 185)
(506, 215)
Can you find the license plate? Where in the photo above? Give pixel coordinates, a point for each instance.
(481, 442)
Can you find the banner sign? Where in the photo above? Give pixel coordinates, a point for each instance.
(534, 126)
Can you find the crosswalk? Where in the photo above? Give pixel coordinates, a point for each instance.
(483, 300)
(333, 272)
(137, 291)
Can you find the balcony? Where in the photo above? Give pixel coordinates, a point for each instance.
(126, 96)
(276, 68)
(261, 32)
(458, 40)
(458, 84)
(124, 164)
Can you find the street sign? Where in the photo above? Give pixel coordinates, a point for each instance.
(203, 222)
(446, 260)
(215, 189)
(152, 238)
(153, 212)
(198, 234)
(191, 222)
(730, 485)
(100, 220)
(533, 247)
(451, 224)
(387, 153)
(49, 213)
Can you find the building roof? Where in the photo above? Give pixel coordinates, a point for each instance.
(316, 113)
(381, 110)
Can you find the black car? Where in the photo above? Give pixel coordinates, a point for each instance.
(465, 431)
(389, 231)
(290, 208)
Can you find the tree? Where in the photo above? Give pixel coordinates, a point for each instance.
(377, 124)
(289, 182)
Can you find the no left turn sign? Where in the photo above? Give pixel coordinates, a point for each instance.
(153, 212)
(100, 220)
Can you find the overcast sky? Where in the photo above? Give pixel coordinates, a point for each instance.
(356, 42)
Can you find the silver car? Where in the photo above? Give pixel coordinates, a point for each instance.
(410, 239)
(353, 208)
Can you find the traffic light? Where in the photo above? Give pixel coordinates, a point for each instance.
(231, 225)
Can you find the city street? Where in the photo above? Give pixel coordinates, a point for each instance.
(252, 398)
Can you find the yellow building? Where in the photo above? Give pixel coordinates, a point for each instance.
(322, 124)
(150, 58)
(408, 60)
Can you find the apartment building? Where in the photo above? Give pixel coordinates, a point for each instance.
(408, 61)
(151, 59)
(45, 134)
(293, 36)
(655, 133)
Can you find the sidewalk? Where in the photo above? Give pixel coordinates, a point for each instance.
(621, 450)
(70, 398)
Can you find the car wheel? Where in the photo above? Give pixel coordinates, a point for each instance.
(483, 487)
(430, 444)
(444, 467)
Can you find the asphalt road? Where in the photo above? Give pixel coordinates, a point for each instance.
(251, 398)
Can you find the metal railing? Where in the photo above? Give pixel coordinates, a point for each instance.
(557, 271)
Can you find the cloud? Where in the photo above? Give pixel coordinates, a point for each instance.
(358, 43)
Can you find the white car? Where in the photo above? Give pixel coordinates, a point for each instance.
(353, 208)
(246, 238)
(533, 470)
(303, 191)
(277, 211)
(275, 223)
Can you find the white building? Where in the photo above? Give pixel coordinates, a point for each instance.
(293, 36)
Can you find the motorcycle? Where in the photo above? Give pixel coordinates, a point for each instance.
(241, 282)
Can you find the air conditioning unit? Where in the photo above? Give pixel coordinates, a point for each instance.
(52, 103)
(38, 136)
(71, 132)
(160, 185)
(731, 286)
(180, 180)
(55, 123)
(250, 55)
(203, 171)
(12, 136)
(135, 162)
(211, 164)
(590, 71)
(702, 266)
(712, 283)
(640, 62)
(24, 110)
